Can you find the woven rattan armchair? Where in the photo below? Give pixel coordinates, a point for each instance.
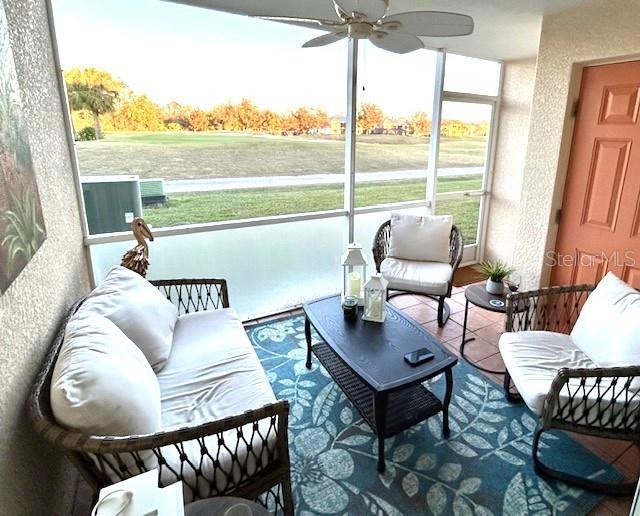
(602, 402)
(104, 459)
(380, 251)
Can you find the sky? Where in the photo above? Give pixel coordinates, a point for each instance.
(203, 57)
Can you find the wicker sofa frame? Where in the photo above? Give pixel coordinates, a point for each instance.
(579, 400)
(100, 458)
(380, 251)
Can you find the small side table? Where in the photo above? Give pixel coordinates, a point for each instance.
(477, 295)
(220, 504)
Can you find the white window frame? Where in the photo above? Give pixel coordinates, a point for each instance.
(472, 253)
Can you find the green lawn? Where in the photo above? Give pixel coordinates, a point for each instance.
(261, 202)
(184, 155)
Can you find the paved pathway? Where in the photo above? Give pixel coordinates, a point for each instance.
(209, 185)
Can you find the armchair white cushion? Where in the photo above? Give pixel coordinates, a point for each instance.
(420, 238)
(139, 310)
(608, 328)
(424, 277)
(533, 359)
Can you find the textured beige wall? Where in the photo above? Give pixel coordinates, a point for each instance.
(511, 149)
(595, 32)
(35, 479)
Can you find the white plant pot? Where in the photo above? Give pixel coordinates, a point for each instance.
(495, 287)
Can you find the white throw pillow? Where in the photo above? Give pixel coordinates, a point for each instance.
(102, 384)
(424, 239)
(607, 329)
(139, 310)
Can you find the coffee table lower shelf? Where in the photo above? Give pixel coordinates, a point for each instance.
(404, 408)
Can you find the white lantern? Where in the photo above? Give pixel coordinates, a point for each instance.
(354, 269)
(375, 297)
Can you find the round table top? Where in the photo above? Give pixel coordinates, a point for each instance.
(220, 504)
(477, 294)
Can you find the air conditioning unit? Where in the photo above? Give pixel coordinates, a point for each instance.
(152, 191)
(111, 202)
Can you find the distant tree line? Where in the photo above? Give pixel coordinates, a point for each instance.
(99, 100)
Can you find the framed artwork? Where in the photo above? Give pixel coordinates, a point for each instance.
(22, 229)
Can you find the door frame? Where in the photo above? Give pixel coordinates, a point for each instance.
(566, 143)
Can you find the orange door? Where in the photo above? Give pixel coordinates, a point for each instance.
(600, 219)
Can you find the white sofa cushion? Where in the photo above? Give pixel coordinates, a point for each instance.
(419, 238)
(139, 310)
(608, 328)
(102, 384)
(425, 277)
(213, 372)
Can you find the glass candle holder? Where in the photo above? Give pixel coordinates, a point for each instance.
(350, 308)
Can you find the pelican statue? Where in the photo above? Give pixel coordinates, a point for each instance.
(137, 259)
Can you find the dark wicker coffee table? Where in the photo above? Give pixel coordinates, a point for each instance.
(366, 360)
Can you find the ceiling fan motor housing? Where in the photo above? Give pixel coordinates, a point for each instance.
(360, 30)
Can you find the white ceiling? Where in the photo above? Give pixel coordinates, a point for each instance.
(504, 29)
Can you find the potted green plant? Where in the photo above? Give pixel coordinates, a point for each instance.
(495, 272)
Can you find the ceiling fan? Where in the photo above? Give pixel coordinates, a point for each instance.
(368, 19)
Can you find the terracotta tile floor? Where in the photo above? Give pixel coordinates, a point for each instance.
(487, 327)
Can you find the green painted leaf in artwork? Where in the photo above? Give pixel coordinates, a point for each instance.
(481, 510)
(461, 507)
(403, 452)
(462, 449)
(297, 410)
(476, 441)
(426, 462)
(470, 485)
(510, 458)
(410, 484)
(331, 428)
(449, 472)
(476, 388)
(436, 499)
(495, 394)
(458, 414)
(287, 381)
(386, 507)
(307, 384)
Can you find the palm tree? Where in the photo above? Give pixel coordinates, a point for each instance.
(92, 98)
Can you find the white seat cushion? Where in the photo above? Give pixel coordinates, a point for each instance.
(213, 372)
(418, 238)
(102, 384)
(607, 329)
(139, 310)
(533, 359)
(425, 277)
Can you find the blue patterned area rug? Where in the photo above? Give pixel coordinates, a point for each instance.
(484, 467)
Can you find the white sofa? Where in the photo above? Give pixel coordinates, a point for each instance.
(136, 383)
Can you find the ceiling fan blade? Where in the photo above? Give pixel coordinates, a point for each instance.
(313, 23)
(395, 42)
(325, 39)
(429, 23)
(372, 9)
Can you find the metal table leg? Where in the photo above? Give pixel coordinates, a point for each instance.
(307, 334)
(465, 341)
(445, 404)
(380, 408)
